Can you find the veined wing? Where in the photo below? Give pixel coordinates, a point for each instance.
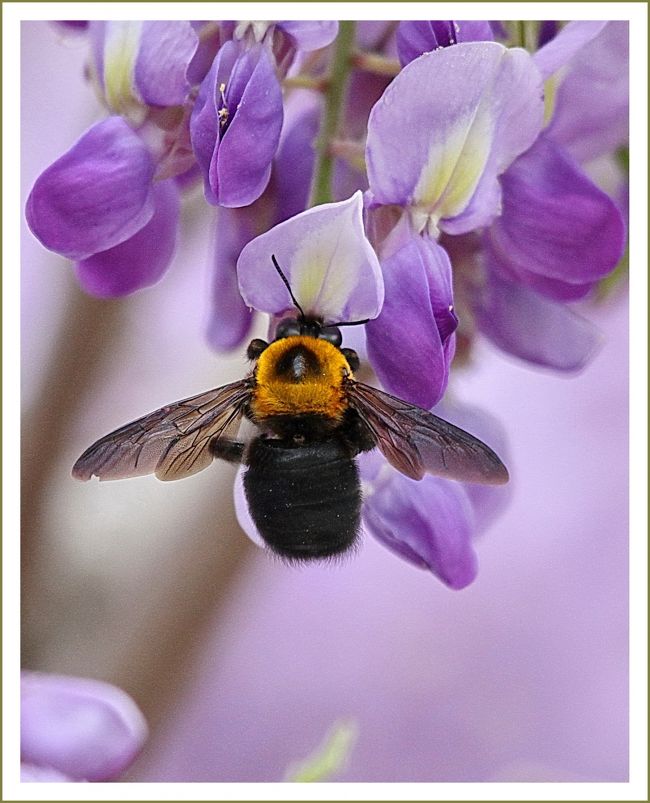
(414, 441)
(172, 442)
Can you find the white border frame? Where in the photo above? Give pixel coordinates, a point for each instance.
(636, 788)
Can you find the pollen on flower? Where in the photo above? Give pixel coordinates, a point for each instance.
(223, 112)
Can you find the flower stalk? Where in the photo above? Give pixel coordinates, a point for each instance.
(375, 63)
(321, 190)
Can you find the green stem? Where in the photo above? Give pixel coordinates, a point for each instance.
(305, 82)
(375, 63)
(523, 33)
(321, 189)
(531, 33)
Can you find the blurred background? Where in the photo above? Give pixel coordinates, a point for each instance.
(242, 664)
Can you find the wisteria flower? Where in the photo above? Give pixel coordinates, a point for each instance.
(236, 124)
(76, 729)
(142, 65)
(548, 231)
(110, 203)
(237, 118)
(327, 260)
(558, 233)
(438, 169)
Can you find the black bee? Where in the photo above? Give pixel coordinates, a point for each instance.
(301, 481)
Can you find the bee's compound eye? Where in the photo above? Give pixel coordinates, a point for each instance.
(288, 327)
(332, 334)
(352, 357)
(255, 348)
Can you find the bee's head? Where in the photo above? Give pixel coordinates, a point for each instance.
(312, 327)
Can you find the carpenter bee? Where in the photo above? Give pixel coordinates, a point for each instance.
(301, 480)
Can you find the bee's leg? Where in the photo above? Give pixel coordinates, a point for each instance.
(355, 434)
(232, 451)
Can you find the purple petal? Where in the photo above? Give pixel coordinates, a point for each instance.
(205, 127)
(465, 113)
(235, 153)
(141, 260)
(96, 195)
(309, 34)
(29, 773)
(410, 344)
(428, 523)
(166, 49)
(84, 728)
(591, 115)
(556, 223)
(331, 267)
(230, 318)
(294, 162)
(242, 166)
(529, 326)
(563, 47)
(415, 37)
(547, 30)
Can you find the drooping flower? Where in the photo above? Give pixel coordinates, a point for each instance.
(112, 195)
(411, 343)
(558, 233)
(548, 230)
(76, 729)
(237, 118)
(437, 171)
(434, 522)
(99, 196)
(236, 123)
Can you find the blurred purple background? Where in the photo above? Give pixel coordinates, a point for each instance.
(242, 664)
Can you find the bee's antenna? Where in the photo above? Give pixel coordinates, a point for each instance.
(287, 285)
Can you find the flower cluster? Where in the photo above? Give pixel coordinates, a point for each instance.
(431, 176)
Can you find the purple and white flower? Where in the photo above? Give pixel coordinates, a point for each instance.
(549, 233)
(114, 187)
(332, 268)
(434, 152)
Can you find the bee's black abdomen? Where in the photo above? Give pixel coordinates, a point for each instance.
(305, 499)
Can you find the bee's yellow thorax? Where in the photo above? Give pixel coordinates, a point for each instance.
(319, 392)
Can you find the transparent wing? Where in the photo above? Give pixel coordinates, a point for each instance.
(172, 442)
(415, 441)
